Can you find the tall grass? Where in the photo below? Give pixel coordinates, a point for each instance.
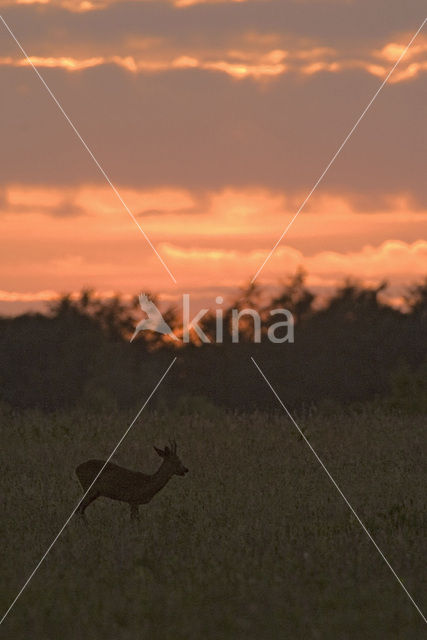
(254, 543)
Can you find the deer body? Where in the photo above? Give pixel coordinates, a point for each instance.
(119, 483)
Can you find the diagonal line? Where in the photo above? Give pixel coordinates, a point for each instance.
(340, 148)
(87, 148)
(40, 562)
(322, 464)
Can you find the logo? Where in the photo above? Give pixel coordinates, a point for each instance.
(155, 322)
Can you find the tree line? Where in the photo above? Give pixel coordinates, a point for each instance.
(353, 348)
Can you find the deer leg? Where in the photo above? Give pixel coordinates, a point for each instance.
(134, 513)
(91, 496)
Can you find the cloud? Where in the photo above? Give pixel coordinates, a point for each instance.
(83, 6)
(393, 260)
(52, 202)
(239, 64)
(223, 272)
(243, 39)
(220, 238)
(23, 296)
(351, 28)
(198, 131)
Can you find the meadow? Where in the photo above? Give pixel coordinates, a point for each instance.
(253, 543)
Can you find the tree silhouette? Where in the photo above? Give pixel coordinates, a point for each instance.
(352, 348)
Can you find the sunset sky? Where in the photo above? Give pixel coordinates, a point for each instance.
(213, 120)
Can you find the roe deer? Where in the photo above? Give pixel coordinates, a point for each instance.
(133, 487)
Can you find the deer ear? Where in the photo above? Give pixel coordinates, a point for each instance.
(159, 452)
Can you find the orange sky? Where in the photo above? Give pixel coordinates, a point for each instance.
(233, 128)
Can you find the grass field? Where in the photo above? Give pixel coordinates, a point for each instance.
(253, 543)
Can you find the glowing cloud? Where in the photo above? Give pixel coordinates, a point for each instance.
(218, 240)
(80, 6)
(250, 60)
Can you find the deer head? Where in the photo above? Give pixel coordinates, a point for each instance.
(171, 458)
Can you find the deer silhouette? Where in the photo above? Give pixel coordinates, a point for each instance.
(119, 483)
